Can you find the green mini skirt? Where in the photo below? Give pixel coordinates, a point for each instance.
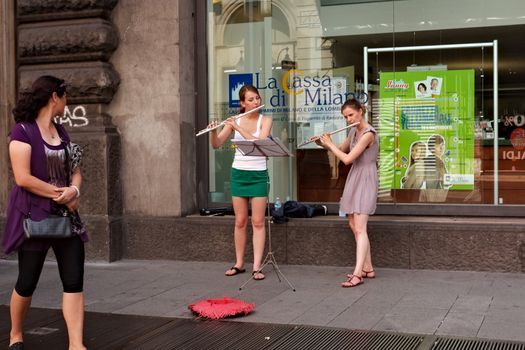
(249, 183)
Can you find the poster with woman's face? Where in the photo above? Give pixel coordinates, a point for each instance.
(422, 89)
(435, 85)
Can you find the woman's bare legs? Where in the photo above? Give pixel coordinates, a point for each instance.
(259, 206)
(18, 310)
(368, 268)
(358, 224)
(73, 310)
(240, 207)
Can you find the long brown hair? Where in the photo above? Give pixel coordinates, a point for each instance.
(32, 101)
(244, 90)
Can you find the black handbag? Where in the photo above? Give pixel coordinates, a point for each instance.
(53, 226)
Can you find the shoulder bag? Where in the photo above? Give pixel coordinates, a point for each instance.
(53, 226)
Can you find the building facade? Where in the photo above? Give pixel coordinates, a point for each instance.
(131, 102)
(443, 82)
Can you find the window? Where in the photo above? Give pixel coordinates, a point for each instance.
(425, 69)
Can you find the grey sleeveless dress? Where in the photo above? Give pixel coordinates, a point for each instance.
(360, 193)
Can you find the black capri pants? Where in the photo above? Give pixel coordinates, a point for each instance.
(70, 256)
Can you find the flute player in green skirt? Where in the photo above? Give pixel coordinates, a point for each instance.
(248, 181)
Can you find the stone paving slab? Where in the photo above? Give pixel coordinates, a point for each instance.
(466, 324)
(473, 304)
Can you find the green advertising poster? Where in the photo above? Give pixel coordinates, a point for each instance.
(426, 130)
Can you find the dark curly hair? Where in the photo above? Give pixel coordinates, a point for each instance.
(30, 102)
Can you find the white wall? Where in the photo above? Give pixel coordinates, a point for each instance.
(418, 15)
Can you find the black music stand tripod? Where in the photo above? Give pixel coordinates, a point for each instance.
(270, 147)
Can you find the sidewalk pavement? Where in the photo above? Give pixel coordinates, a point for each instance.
(466, 304)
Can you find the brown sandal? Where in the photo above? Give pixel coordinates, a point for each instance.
(349, 284)
(257, 275)
(236, 270)
(365, 274)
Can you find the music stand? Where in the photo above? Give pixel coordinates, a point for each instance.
(270, 147)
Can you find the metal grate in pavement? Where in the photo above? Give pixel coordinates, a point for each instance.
(443, 343)
(105, 331)
(213, 335)
(327, 338)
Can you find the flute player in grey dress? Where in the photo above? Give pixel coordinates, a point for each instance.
(360, 193)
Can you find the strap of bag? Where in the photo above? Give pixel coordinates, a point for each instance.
(67, 167)
(25, 225)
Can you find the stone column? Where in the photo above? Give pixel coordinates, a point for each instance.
(74, 40)
(7, 91)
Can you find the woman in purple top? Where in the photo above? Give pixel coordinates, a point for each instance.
(47, 183)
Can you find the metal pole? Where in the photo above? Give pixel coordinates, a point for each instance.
(496, 132)
(365, 79)
(212, 181)
(431, 47)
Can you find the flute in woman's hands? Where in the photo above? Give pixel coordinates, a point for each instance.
(204, 131)
(315, 138)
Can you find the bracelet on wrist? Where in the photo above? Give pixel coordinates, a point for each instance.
(76, 189)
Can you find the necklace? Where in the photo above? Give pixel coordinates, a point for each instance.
(51, 134)
(48, 133)
(47, 129)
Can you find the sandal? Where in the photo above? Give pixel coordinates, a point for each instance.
(236, 271)
(349, 284)
(257, 275)
(16, 346)
(365, 274)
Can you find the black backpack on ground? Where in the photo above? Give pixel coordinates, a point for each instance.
(294, 209)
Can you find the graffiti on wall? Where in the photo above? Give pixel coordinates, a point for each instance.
(74, 118)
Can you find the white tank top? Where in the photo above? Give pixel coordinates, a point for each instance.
(243, 162)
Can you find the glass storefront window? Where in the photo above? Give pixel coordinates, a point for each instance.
(432, 100)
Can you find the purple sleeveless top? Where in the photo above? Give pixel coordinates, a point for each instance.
(21, 202)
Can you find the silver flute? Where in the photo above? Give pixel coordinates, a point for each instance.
(315, 138)
(204, 131)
